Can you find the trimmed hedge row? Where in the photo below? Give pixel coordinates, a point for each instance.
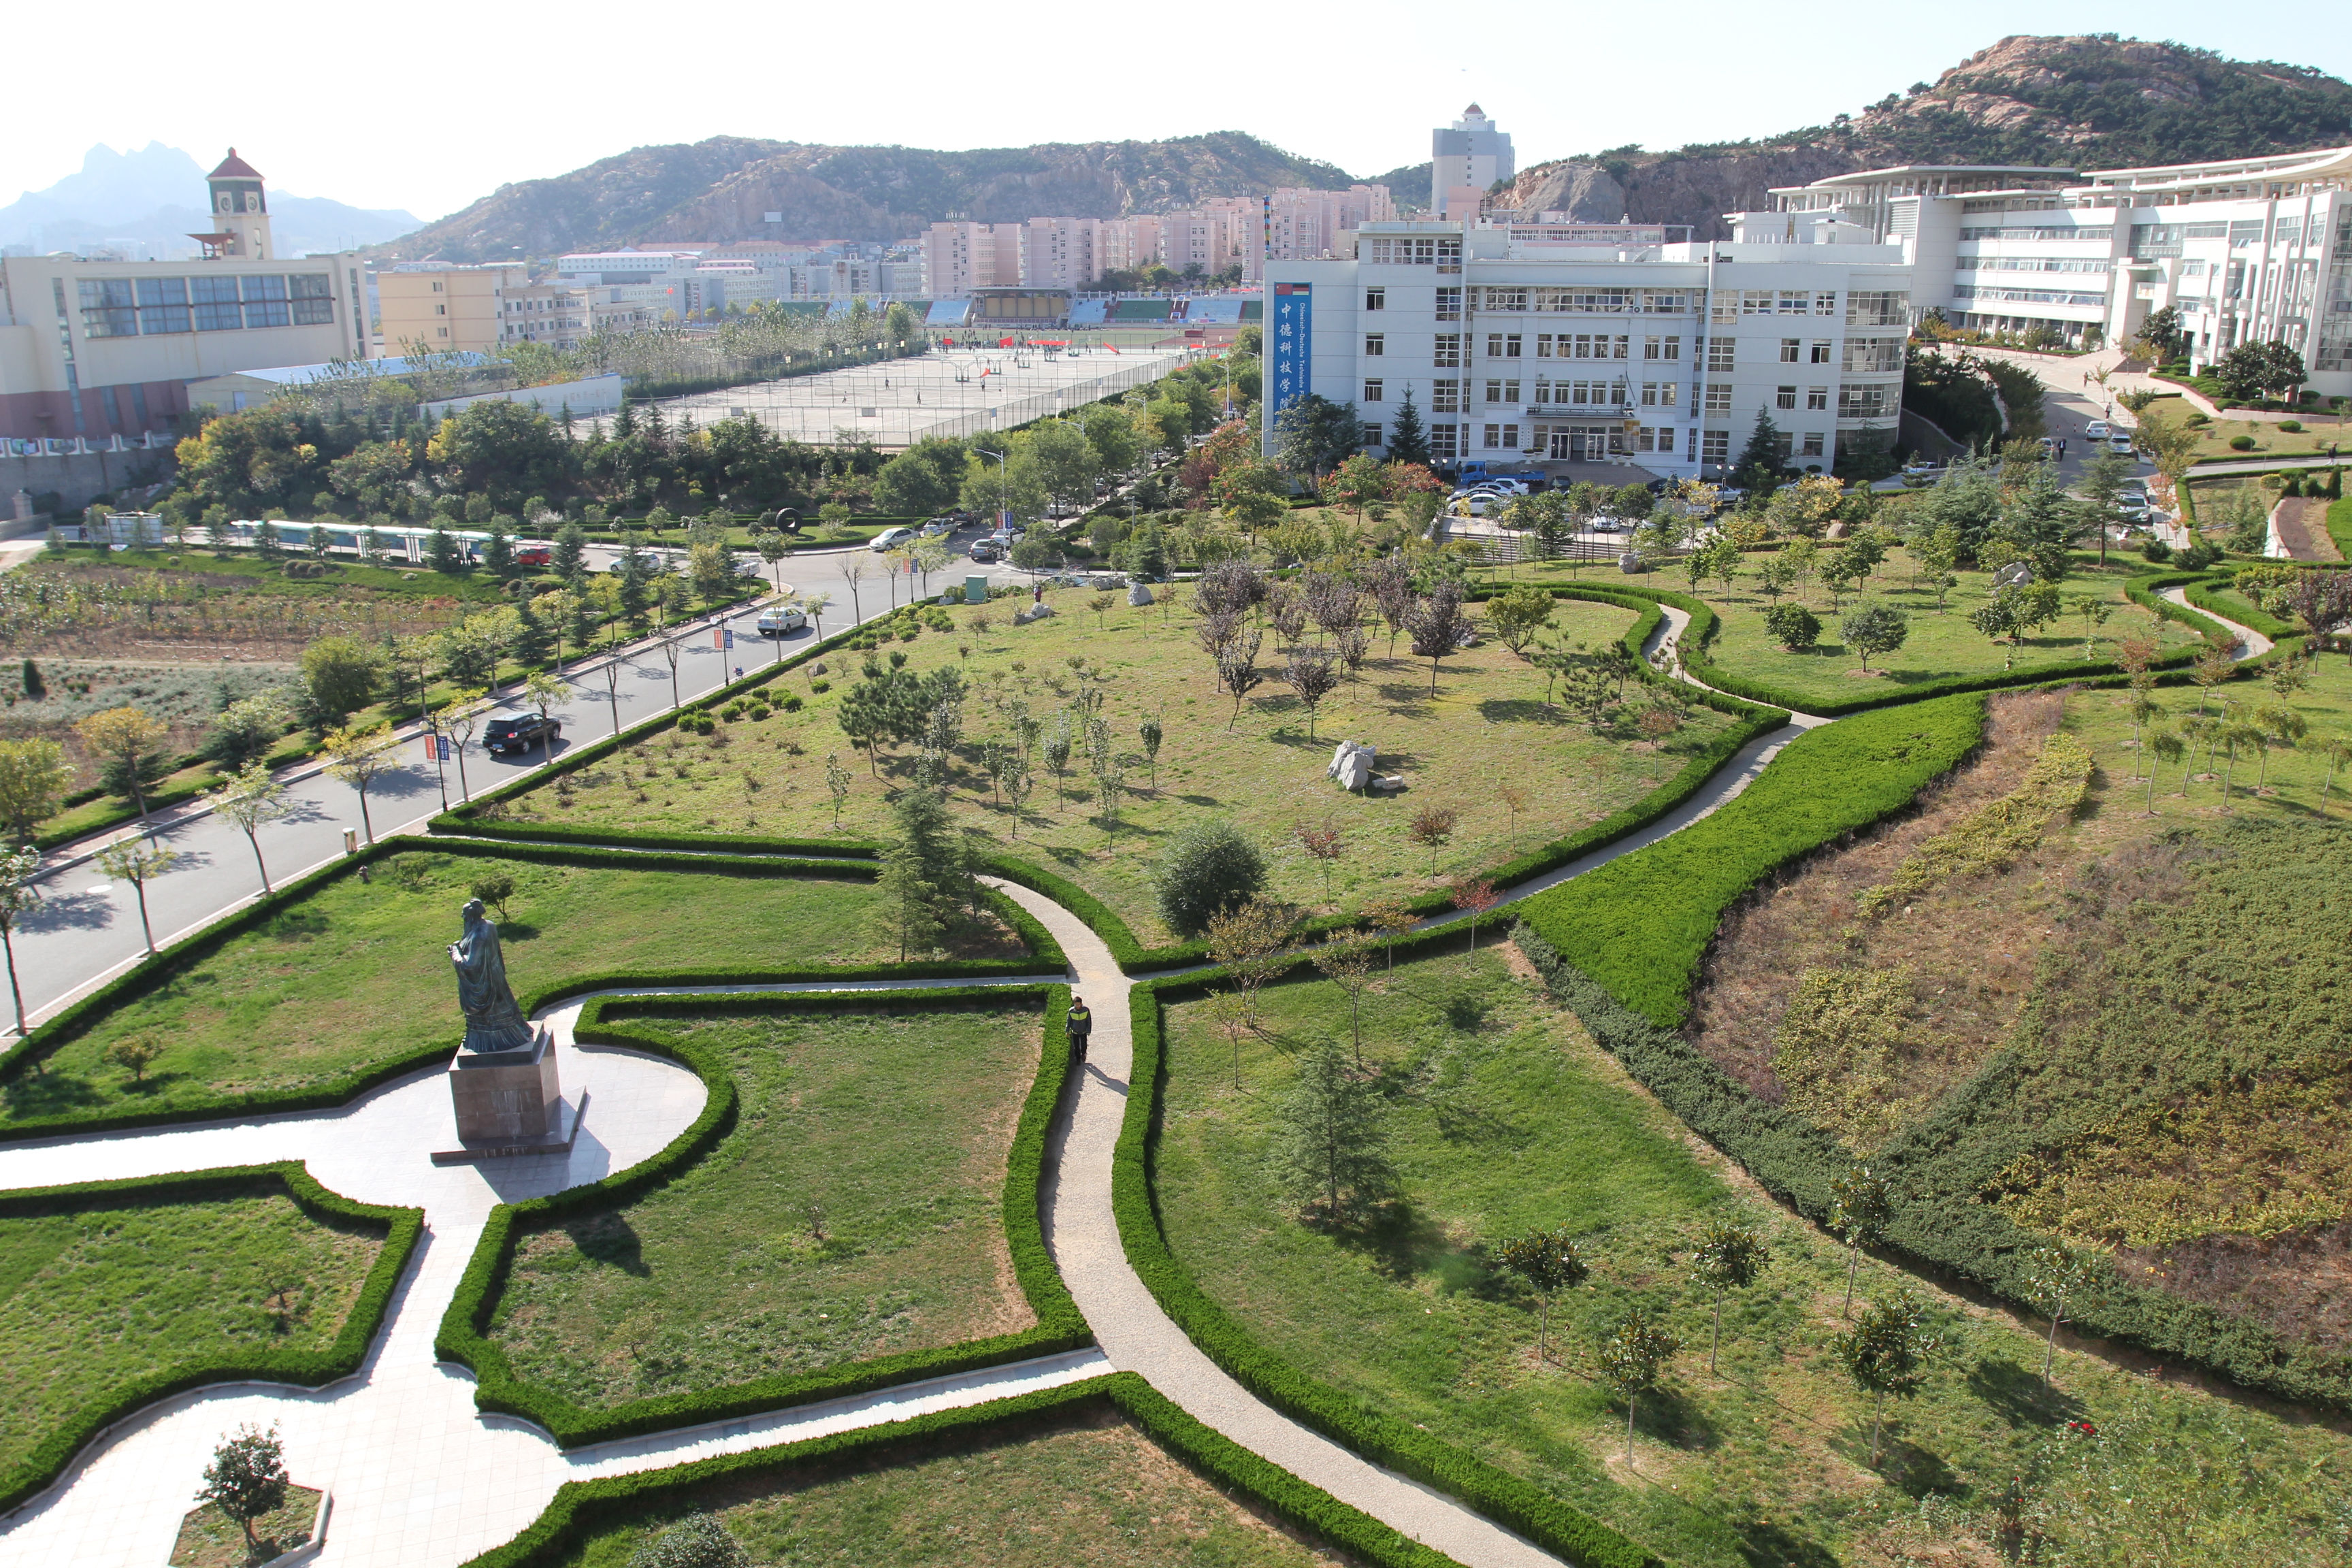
(581, 1510)
(182, 956)
(1702, 635)
(399, 1228)
(1060, 1326)
(1642, 924)
(1507, 1498)
(2251, 616)
(457, 820)
(1797, 1162)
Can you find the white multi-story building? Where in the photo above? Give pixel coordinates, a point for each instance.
(1583, 343)
(1464, 161)
(2247, 250)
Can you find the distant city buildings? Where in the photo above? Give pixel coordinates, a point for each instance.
(98, 354)
(2245, 249)
(1464, 161)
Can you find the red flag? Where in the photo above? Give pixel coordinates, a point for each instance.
(432, 753)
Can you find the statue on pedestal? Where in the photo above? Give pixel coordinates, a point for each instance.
(493, 1021)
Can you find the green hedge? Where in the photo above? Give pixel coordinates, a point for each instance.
(1060, 1326)
(1797, 1162)
(1641, 925)
(2253, 617)
(1507, 1500)
(183, 955)
(581, 1510)
(458, 821)
(399, 1228)
(1707, 624)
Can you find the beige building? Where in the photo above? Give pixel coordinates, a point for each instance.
(483, 308)
(90, 351)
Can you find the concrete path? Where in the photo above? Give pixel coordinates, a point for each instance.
(2251, 643)
(420, 1479)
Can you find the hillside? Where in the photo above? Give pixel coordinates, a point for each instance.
(2094, 101)
(723, 188)
(148, 199)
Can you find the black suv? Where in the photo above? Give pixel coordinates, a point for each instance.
(519, 734)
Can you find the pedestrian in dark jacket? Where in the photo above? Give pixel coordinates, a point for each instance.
(1079, 1025)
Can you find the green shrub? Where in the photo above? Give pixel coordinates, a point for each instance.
(2291, 426)
(2241, 443)
(792, 704)
(1793, 627)
(820, 686)
(1640, 925)
(1208, 868)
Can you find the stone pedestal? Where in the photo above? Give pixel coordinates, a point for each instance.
(508, 1102)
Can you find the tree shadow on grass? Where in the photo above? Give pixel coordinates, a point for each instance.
(1519, 710)
(1666, 1416)
(1403, 1242)
(608, 1238)
(1765, 1544)
(2020, 1397)
(1908, 1467)
(49, 1093)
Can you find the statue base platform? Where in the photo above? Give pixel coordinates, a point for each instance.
(509, 1102)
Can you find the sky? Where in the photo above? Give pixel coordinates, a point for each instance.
(431, 109)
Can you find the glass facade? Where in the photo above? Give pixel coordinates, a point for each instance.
(153, 307)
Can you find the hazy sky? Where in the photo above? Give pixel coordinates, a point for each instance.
(427, 109)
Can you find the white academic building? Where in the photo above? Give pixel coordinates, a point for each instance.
(2248, 250)
(1573, 344)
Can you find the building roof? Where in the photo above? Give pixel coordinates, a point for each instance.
(234, 168)
(297, 374)
(1473, 110)
(2286, 168)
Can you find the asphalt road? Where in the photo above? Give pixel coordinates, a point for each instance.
(87, 929)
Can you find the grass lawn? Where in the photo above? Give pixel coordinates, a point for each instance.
(92, 1301)
(853, 1212)
(1942, 643)
(1502, 1116)
(1488, 726)
(359, 971)
(1103, 1495)
(210, 1538)
(2318, 433)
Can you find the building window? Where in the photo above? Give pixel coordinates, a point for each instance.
(215, 304)
(1821, 351)
(1784, 397)
(1445, 397)
(313, 298)
(1502, 392)
(1789, 348)
(1445, 443)
(1662, 347)
(1817, 398)
(1448, 355)
(1376, 298)
(1721, 354)
(1877, 308)
(1825, 302)
(1718, 397)
(1372, 436)
(1449, 304)
(1503, 437)
(163, 307)
(1375, 345)
(108, 307)
(1867, 402)
(1502, 345)
(1812, 445)
(1715, 446)
(1373, 389)
(1793, 301)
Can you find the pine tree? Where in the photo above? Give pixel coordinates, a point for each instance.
(1760, 460)
(1332, 1144)
(1408, 442)
(568, 559)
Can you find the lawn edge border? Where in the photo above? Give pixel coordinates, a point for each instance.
(54, 1455)
(463, 1338)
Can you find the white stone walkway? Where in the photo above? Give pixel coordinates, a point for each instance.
(420, 1479)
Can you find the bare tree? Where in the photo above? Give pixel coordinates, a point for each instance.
(1313, 677)
(1437, 624)
(1241, 673)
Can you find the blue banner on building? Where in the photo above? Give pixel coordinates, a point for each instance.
(1291, 344)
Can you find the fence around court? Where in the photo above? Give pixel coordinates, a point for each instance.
(813, 409)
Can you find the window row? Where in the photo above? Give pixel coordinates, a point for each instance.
(1730, 304)
(2104, 233)
(1413, 251)
(1573, 443)
(1604, 301)
(148, 306)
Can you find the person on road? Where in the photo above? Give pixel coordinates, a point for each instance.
(1079, 1024)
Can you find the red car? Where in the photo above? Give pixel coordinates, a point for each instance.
(533, 555)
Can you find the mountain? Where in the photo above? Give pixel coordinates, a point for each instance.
(149, 199)
(2085, 102)
(723, 189)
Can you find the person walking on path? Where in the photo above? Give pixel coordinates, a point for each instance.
(1078, 1025)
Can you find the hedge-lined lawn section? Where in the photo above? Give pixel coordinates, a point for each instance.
(853, 1212)
(1941, 643)
(1488, 726)
(358, 972)
(1502, 1116)
(1098, 1492)
(97, 1298)
(1641, 923)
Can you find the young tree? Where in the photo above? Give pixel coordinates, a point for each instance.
(2279, 725)
(1436, 623)
(2057, 1275)
(2338, 749)
(1393, 917)
(1330, 1141)
(1793, 627)
(1326, 843)
(1861, 1206)
(130, 743)
(1886, 1351)
(128, 860)
(1237, 667)
(246, 1480)
(1474, 896)
(1408, 442)
(1251, 943)
(909, 902)
(358, 758)
(1731, 1256)
(33, 775)
(836, 780)
(1350, 967)
(248, 801)
(2238, 735)
(1550, 1261)
(458, 719)
(1151, 734)
(2169, 748)
(1873, 629)
(1517, 616)
(1632, 1356)
(1432, 825)
(18, 893)
(1313, 676)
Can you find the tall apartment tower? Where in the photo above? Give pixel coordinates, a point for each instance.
(242, 211)
(1471, 156)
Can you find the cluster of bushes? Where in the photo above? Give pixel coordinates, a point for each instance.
(399, 1227)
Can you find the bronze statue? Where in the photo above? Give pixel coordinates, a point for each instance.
(493, 1021)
